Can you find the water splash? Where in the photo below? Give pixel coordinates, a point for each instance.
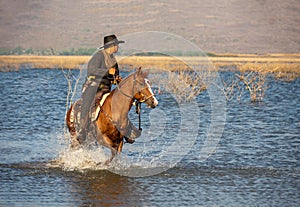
(82, 159)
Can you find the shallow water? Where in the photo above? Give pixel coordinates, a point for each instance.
(255, 163)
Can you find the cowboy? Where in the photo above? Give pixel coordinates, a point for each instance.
(102, 72)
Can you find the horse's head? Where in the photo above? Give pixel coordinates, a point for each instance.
(144, 93)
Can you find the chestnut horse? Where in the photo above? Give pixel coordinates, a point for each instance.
(112, 123)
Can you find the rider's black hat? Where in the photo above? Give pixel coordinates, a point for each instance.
(111, 40)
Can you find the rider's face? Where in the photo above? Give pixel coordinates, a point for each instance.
(113, 49)
(116, 48)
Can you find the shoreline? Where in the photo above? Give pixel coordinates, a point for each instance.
(284, 63)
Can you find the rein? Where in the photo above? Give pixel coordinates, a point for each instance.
(137, 103)
(138, 106)
(131, 97)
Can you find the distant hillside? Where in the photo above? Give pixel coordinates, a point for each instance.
(235, 26)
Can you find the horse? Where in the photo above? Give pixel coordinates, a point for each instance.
(112, 124)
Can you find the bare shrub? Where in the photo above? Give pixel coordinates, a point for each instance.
(250, 77)
(254, 79)
(231, 87)
(73, 82)
(286, 76)
(184, 84)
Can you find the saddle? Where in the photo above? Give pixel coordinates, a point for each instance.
(99, 101)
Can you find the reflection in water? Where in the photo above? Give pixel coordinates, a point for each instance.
(102, 188)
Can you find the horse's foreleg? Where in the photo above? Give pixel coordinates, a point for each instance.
(107, 142)
(120, 146)
(113, 154)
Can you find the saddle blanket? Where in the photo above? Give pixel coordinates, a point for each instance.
(95, 113)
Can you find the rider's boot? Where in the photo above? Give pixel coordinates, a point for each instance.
(128, 140)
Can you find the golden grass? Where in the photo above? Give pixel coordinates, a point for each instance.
(281, 65)
(42, 61)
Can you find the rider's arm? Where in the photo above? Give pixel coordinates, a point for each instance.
(113, 74)
(96, 66)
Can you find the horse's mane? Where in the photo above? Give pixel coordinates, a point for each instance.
(137, 73)
(126, 79)
(121, 84)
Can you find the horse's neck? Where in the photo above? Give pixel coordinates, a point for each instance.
(122, 101)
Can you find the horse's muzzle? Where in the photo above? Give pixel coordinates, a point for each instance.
(151, 102)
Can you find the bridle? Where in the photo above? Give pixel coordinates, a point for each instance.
(144, 96)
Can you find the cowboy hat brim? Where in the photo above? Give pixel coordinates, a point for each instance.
(115, 41)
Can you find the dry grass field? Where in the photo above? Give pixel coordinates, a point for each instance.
(286, 66)
(276, 63)
(10, 63)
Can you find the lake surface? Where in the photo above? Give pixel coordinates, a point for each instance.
(256, 161)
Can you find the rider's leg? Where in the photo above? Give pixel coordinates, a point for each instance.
(87, 100)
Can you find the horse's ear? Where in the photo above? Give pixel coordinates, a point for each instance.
(144, 73)
(139, 70)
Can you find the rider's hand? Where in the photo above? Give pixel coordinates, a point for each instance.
(118, 79)
(112, 71)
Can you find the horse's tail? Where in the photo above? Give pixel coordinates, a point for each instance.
(71, 123)
(70, 120)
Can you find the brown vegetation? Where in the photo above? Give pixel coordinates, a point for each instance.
(254, 77)
(8, 63)
(275, 63)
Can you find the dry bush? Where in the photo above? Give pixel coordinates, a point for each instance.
(256, 83)
(255, 79)
(286, 76)
(287, 72)
(185, 85)
(231, 87)
(73, 83)
(252, 77)
(185, 80)
(282, 71)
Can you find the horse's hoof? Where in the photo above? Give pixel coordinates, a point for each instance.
(130, 141)
(107, 162)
